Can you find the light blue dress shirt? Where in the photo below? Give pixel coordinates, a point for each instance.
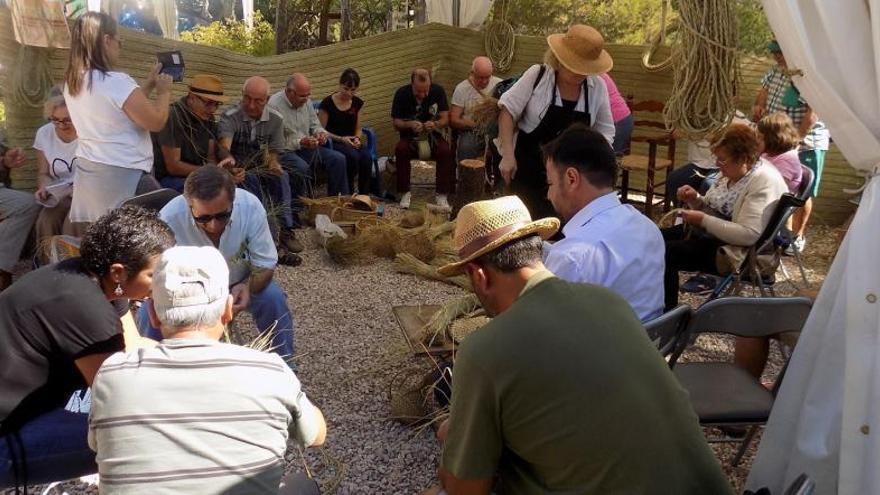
(613, 245)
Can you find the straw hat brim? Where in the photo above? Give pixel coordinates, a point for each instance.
(573, 62)
(544, 227)
(217, 98)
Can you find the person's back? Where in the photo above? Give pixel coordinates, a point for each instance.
(192, 416)
(582, 400)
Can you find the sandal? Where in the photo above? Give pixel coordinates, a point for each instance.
(289, 259)
(700, 284)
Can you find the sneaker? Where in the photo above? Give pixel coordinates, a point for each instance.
(443, 202)
(288, 259)
(406, 200)
(797, 245)
(288, 240)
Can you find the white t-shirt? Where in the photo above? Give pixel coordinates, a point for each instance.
(59, 154)
(106, 134)
(466, 95)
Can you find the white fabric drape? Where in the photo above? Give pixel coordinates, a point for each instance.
(472, 13)
(826, 421)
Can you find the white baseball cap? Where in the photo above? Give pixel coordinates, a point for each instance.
(189, 276)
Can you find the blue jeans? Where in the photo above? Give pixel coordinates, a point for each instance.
(171, 182)
(623, 130)
(267, 307)
(51, 447)
(301, 161)
(358, 163)
(274, 192)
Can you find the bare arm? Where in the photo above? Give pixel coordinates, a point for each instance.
(260, 279)
(43, 177)
(402, 125)
(88, 365)
(760, 105)
(322, 431)
(443, 121)
(174, 165)
(810, 119)
(148, 114)
(458, 121)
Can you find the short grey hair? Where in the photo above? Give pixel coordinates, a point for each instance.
(55, 100)
(195, 317)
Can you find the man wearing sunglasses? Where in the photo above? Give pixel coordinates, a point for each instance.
(189, 138)
(213, 212)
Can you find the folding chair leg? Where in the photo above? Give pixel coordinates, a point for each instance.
(745, 445)
(800, 264)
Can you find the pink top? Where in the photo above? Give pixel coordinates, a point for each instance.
(619, 109)
(789, 166)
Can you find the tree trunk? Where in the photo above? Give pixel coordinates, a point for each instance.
(345, 7)
(471, 177)
(325, 20)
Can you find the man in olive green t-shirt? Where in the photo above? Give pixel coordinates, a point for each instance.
(562, 392)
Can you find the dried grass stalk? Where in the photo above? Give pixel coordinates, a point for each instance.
(405, 263)
(435, 331)
(485, 115)
(462, 327)
(412, 219)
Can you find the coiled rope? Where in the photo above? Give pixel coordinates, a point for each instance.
(32, 80)
(706, 67)
(500, 41)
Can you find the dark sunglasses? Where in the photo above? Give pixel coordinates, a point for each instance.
(66, 121)
(223, 216)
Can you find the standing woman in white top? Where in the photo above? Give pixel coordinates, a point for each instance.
(56, 144)
(545, 101)
(113, 118)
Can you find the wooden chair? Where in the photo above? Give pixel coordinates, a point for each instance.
(654, 134)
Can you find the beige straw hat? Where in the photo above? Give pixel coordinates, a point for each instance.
(484, 226)
(581, 50)
(208, 87)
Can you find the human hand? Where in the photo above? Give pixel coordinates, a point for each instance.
(227, 163)
(41, 194)
(322, 138)
(14, 158)
(416, 126)
(356, 142)
(241, 297)
(351, 141)
(308, 142)
(163, 84)
(686, 193)
(693, 217)
(275, 169)
(238, 174)
(429, 125)
(508, 169)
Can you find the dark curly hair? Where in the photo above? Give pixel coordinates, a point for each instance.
(129, 235)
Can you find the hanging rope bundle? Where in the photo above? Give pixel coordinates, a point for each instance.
(657, 40)
(706, 67)
(32, 80)
(500, 41)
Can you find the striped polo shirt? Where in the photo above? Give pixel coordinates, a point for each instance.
(196, 416)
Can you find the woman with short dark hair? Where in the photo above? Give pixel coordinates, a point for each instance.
(57, 325)
(729, 218)
(340, 115)
(778, 139)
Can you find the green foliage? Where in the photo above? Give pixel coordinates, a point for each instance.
(235, 36)
(620, 21)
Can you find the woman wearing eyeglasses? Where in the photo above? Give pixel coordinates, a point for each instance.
(340, 114)
(55, 143)
(113, 117)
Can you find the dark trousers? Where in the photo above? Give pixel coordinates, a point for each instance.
(358, 162)
(696, 253)
(441, 153)
(51, 447)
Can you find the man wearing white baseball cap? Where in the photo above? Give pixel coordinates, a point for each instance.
(211, 417)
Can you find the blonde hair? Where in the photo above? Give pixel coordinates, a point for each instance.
(87, 50)
(55, 100)
(779, 133)
(550, 59)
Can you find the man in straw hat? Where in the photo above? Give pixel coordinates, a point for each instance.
(209, 414)
(546, 100)
(189, 138)
(547, 395)
(606, 243)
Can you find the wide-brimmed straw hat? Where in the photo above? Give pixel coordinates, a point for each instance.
(581, 50)
(208, 87)
(484, 226)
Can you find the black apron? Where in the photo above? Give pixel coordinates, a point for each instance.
(530, 182)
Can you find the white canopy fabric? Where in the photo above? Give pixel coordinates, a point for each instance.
(472, 13)
(826, 421)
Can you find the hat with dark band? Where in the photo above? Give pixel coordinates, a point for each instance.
(208, 87)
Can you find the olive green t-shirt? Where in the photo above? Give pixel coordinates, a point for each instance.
(564, 393)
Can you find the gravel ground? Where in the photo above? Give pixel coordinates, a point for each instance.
(348, 348)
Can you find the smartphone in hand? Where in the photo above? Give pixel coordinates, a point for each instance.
(172, 64)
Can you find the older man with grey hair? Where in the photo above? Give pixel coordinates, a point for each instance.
(478, 86)
(210, 417)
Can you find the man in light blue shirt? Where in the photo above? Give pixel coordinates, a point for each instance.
(606, 243)
(212, 212)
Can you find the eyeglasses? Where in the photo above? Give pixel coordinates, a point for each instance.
(65, 121)
(223, 217)
(208, 103)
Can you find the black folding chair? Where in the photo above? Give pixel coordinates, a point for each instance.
(153, 200)
(667, 331)
(723, 394)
